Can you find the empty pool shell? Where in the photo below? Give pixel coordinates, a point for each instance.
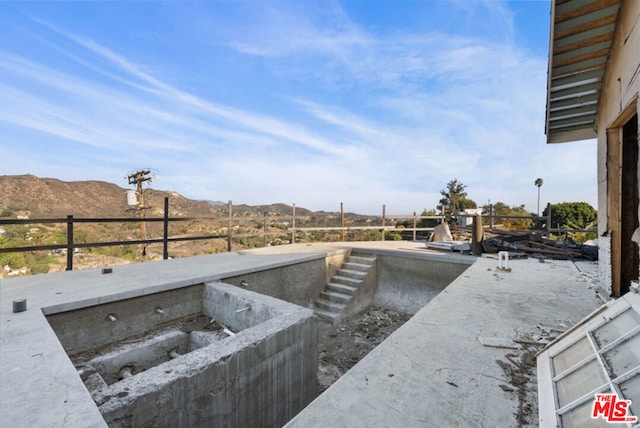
(263, 374)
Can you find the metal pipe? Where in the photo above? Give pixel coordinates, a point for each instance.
(126, 372)
(19, 305)
(246, 308)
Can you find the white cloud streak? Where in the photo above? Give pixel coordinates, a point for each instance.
(355, 115)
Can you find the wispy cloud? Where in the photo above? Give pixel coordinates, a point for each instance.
(295, 102)
(255, 122)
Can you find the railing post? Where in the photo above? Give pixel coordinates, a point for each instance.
(415, 223)
(264, 230)
(230, 206)
(490, 216)
(69, 242)
(384, 209)
(548, 220)
(165, 237)
(293, 224)
(477, 234)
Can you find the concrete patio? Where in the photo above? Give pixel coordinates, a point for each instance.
(442, 368)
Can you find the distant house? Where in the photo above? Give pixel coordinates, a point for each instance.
(17, 272)
(465, 218)
(592, 93)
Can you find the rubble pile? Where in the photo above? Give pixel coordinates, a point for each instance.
(519, 366)
(342, 345)
(519, 243)
(535, 245)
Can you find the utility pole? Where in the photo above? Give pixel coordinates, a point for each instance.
(137, 178)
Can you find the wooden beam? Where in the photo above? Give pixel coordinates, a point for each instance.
(577, 29)
(580, 58)
(614, 195)
(583, 43)
(584, 9)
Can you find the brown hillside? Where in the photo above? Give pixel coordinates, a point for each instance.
(53, 198)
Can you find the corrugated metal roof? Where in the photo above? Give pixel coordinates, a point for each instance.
(581, 37)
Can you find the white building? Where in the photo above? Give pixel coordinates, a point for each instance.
(592, 92)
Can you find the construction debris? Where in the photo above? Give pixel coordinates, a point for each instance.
(342, 345)
(498, 342)
(519, 244)
(535, 245)
(441, 233)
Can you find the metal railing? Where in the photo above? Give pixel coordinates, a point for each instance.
(70, 246)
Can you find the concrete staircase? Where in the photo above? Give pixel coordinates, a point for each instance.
(333, 302)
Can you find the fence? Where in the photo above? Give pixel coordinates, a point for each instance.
(70, 246)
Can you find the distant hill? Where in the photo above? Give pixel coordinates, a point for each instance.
(50, 198)
(53, 198)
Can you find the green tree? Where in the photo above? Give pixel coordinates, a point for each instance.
(454, 198)
(8, 212)
(572, 215)
(538, 183)
(502, 209)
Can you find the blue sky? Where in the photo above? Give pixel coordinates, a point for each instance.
(365, 102)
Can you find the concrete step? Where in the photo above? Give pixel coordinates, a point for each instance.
(347, 289)
(346, 273)
(327, 316)
(369, 261)
(328, 306)
(359, 267)
(343, 280)
(334, 296)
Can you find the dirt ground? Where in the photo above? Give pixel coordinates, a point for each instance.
(342, 345)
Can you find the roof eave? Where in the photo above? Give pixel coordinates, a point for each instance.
(576, 67)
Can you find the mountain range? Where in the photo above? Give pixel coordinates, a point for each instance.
(52, 198)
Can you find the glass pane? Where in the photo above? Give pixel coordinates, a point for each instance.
(583, 380)
(572, 355)
(624, 357)
(620, 325)
(631, 391)
(580, 417)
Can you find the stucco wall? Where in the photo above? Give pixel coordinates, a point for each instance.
(619, 97)
(604, 263)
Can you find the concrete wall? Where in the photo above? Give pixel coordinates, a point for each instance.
(238, 308)
(91, 327)
(299, 283)
(262, 376)
(403, 281)
(333, 262)
(408, 283)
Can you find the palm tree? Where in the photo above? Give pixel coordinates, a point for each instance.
(538, 183)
